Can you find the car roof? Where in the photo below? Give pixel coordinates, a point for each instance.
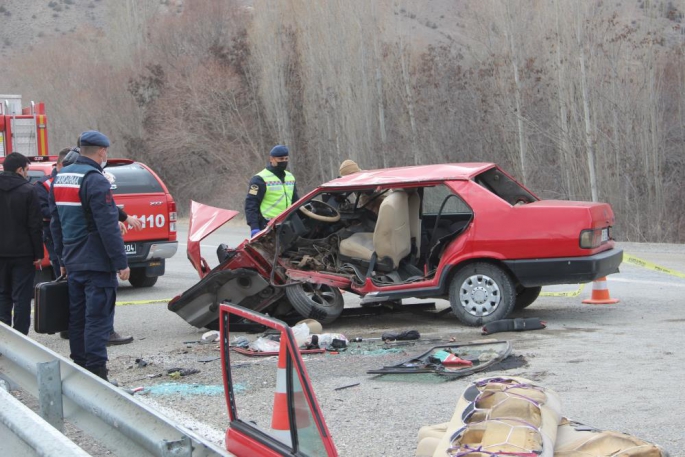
(415, 174)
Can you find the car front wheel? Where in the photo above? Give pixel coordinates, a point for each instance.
(316, 301)
(481, 293)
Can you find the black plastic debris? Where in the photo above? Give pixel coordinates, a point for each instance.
(401, 335)
(513, 325)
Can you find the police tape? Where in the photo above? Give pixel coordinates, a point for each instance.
(573, 293)
(650, 266)
(142, 302)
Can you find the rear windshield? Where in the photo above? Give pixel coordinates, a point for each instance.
(504, 187)
(132, 179)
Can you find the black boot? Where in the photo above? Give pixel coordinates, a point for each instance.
(99, 372)
(64, 335)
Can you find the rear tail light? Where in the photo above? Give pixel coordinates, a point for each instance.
(171, 206)
(593, 238)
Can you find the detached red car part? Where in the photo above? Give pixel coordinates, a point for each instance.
(466, 232)
(306, 432)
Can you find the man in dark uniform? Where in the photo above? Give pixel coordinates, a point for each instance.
(43, 186)
(271, 191)
(21, 244)
(89, 244)
(72, 155)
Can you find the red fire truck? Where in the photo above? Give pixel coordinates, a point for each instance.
(22, 129)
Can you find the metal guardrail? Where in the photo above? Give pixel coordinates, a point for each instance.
(25, 433)
(108, 415)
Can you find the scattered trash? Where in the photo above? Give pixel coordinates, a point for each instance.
(140, 363)
(326, 341)
(513, 325)
(314, 325)
(301, 333)
(240, 342)
(178, 372)
(264, 344)
(466, 358)
(401, 335)
(209, 359)
(346, 387)
(210, 337)
(133, 391)
(251, 353)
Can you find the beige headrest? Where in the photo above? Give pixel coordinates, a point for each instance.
(314, 326)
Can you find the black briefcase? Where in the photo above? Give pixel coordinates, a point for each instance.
(51, 307)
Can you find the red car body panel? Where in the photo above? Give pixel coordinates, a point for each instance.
(205, 221)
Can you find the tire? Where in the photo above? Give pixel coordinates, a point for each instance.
(138, 278)
(481, 293)
(316, 301)
(525, 296)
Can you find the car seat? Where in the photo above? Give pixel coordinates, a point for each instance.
(390, 241)
(415, 222)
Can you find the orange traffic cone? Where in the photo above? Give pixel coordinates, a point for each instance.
(280, 423)
(600, 293)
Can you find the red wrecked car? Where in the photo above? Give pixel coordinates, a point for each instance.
(466, 232)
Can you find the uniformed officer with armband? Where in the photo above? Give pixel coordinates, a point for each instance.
(271, 191)
(90, 247)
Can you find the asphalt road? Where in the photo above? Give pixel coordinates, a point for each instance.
(617, 366)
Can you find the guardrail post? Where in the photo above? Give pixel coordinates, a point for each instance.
(50, 393)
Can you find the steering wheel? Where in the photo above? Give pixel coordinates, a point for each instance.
(320, 211)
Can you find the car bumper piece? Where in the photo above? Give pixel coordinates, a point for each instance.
(565, 270)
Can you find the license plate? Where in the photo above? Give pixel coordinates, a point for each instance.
(130, 248)
(605, 235)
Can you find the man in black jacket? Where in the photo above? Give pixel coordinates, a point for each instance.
(43, 185)
(21, 243)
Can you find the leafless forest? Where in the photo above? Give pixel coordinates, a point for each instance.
(578, 99)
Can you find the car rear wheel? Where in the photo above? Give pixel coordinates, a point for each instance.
(525, 296)
(138, 278)
(481, 293)
(316, 301)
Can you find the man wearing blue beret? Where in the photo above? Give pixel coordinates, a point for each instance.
(271, 191)
(89, 244)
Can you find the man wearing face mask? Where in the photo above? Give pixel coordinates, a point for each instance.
(270, 192)
(90, 247)
(21, 243)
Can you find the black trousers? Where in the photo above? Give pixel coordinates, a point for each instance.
(16, 292)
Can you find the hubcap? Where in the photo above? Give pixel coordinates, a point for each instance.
(479, 295)
(321, 294)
